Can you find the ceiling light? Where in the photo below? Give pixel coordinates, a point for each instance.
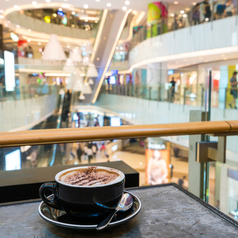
(85, 6)
(34, 3)
(48, 0)
(172, 14)
(68, 46)
(1, 16)
(1, 11)
(29, 30)
(65, 0)
(175, 2)
(124, 8)
(39, 43)
(182, 11)
(109, 4)
(15, 6)
(98, 59)
(127, 2)
(17, 26)
(194, 3)
(73, 13)
(97, 0)
(28, 40)
(60, 9)
(184, 15)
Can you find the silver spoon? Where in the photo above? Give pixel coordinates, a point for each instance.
(125, 204)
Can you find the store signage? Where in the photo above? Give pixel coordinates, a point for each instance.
(156, 146)
(114, 72)
(170, 72)
(60, 13)
(9, 70)
(14, 37)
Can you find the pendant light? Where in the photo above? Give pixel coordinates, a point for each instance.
(87, 60)
(92, 71)
(54, 50)
(75, 55)
(90, 81)
(81, 97)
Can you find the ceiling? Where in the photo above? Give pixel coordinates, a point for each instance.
(140, 5)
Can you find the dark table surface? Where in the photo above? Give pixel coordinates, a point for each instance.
(166, 211)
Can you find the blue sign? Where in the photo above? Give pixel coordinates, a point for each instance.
(114, 72)
(170, 72)
(60, 13)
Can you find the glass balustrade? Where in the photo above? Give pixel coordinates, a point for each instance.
(196, 14)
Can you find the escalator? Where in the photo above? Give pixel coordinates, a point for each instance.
(111, 32)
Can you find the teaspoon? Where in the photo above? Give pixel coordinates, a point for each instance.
(125, 204)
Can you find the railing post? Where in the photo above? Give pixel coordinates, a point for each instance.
(196, 170)
(150, 93)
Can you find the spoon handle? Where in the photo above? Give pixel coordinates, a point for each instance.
(106, 221)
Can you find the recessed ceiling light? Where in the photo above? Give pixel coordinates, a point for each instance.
(39, 43)
(34, 3)
(60, 9)
(29, 30)
(97, 0)
(1, 16)
(85, 6)
(172, 14)
(194, 3)
(73, 13)
(65, 0)
(15, 6)
(175, 2)
(124, 8)
(1, 11)
(68, 46)
(182, 11)
(17, 26)
(184, 15)
(7, 0)
(48, 0)
(109, 4)
(127, 2)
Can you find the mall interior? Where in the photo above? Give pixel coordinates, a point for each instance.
(86, 66)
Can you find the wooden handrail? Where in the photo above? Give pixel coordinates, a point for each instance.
(56, 136)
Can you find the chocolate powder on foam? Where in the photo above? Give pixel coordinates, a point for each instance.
(90, 176)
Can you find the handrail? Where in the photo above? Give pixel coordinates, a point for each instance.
(69, 135)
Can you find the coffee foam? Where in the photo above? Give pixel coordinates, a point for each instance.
(90, 176)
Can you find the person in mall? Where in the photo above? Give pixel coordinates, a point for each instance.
(233, 91)
(181, 181)
(94, 149)
(90, 152)
(230, 8)
(207, 10)
(157, 170)
(173, 84)
(220, 6)
(196, 14)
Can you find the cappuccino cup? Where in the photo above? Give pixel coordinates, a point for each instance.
(75, 191)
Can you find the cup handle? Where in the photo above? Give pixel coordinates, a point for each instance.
(52, 202)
